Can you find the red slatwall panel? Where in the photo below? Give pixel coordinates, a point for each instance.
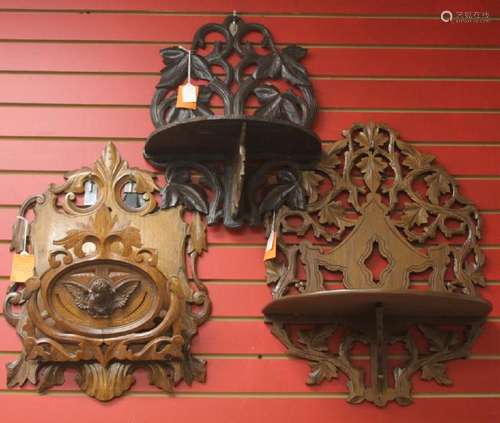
(70, 80)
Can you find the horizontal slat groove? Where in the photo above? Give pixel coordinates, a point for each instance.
(77, 26)
(164, 43)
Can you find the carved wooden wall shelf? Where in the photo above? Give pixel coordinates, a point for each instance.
(255, 105)
(109, 293)
(373, 194)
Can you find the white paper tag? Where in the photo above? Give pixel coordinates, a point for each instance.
(189, 93)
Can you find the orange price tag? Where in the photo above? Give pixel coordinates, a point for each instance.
(23, 267)
(270, 252)
(187, 96)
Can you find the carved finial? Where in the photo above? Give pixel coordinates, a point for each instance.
(110, 156)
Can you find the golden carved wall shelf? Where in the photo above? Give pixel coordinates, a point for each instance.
(109, 293)
(373, 194)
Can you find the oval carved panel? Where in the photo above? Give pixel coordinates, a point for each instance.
(103, 298)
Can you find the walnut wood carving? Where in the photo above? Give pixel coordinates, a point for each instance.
(110, 292)
(228, 147)
(372, 192)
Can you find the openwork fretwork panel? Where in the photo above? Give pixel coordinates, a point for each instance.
(375, 195)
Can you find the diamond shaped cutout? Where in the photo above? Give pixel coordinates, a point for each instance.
(376, 262)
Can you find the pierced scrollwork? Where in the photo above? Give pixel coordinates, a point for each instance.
(372, 192)
(199, 189)
(419, 199)
(312, 345)
(110, 292)
(271, 65)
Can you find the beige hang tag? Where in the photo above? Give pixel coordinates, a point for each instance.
(270, 252)
(23, 267)
(187, 95)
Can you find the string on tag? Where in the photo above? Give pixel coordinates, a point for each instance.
(187, 94)
(23, 264)
(25, 234)
(189, 62)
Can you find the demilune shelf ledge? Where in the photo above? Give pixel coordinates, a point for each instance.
(217, 137)
(339, 304)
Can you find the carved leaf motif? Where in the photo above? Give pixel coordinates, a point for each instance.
(321, 371)
(372, 167)
(332, 214)
(274, 271)
(439, 339)
(437, 372)
(180, 190)
(21, 371)
(176, 61)
(438, 184)
(103, 222)
(329, 159)
(316, 340)
(295, 52)
(476, 276)
(371, 137)
(105, 383)
(414, 215)
(200, 68)
(197, 235)
(310, 182)
(271, 99)
(268, 66)
(402, 387)
(145, 183)
(266, 93)
(291, 69)
(161, 377)
(53, 375)
(288, 191)
(194, 368)
(290, 109)
(417, 160)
